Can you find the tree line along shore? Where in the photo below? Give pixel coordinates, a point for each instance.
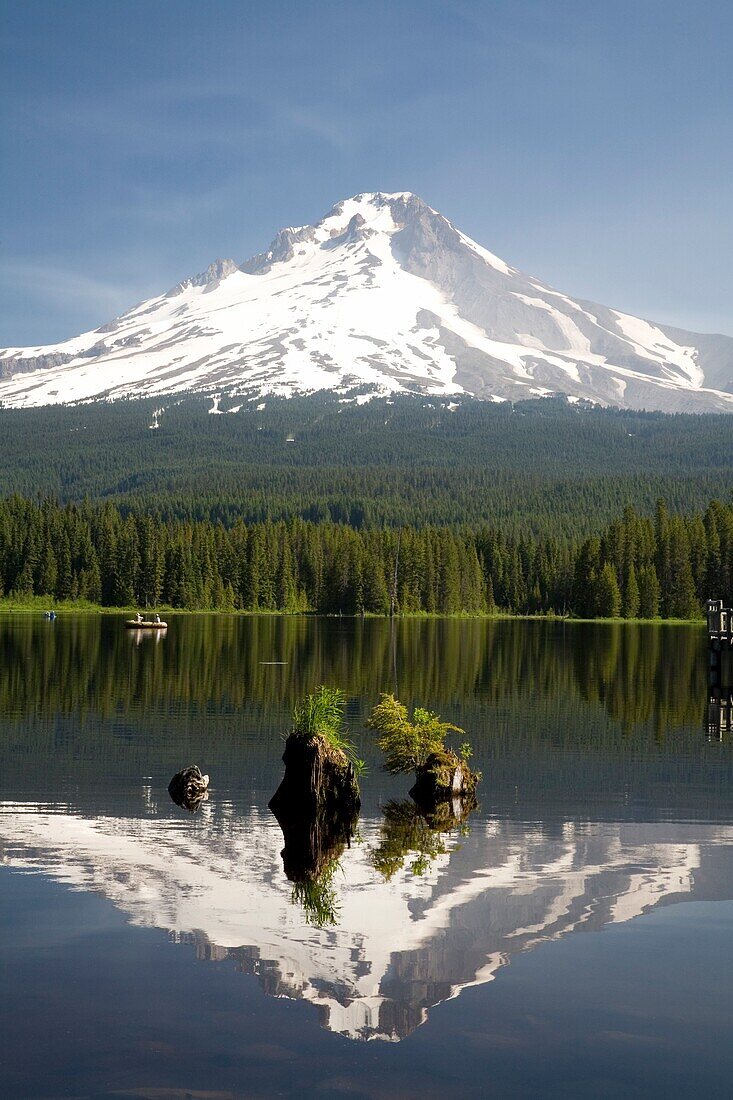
(660, 566)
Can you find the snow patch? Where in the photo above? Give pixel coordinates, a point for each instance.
(647, 337)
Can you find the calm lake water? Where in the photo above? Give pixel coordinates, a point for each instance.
(573, 939)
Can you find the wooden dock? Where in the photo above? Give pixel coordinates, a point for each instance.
(720, 625)
(720, 647)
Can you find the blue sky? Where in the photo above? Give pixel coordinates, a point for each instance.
(589, 144)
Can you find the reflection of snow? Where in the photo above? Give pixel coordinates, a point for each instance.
(399, 946)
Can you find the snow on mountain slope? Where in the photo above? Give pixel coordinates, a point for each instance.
(384, 294)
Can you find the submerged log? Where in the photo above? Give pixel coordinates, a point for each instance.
(189, 788)
(443, 777)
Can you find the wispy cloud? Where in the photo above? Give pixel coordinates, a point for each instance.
(60, 287)
(126, 127)
(322, 124)
(151, 206)
(169, 118)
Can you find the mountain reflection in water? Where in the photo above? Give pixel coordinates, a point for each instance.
(400, 945)
(602, 796)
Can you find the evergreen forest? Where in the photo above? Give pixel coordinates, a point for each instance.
(541, 468)
(663, 565)
(321, 504)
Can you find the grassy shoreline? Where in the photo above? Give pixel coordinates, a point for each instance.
(37, 605)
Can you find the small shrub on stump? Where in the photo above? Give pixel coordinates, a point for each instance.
(417, 745)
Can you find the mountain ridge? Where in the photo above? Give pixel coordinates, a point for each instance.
(386, 295)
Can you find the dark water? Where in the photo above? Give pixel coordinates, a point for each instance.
(572, 940)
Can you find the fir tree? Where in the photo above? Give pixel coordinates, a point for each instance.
(631, 601)
(607, 593)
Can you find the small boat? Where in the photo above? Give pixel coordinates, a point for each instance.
(145, 624)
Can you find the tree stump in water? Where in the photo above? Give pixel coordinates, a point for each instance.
(443, 777)
(189, 788)
(316, 805)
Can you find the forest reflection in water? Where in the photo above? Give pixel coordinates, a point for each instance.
(570, 717)
(639, 674)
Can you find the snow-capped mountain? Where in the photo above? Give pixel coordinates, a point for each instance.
(384, 294)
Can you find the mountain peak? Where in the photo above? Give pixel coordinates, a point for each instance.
(385, 294)
(370, 211)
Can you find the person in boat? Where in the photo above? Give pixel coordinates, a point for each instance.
(157, 618)
(139, 618)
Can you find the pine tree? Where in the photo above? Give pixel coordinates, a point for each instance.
(585, 576)
(152, 563)
(286, 583)
(631, 600)
(662, 557)
(64, 582)
(682, 600)
(48, 570)
(649, 595)
(490, 604)
(607, 594)
(449, 582)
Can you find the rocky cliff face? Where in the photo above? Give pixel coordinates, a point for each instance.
(208, 279)
(24, 363)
